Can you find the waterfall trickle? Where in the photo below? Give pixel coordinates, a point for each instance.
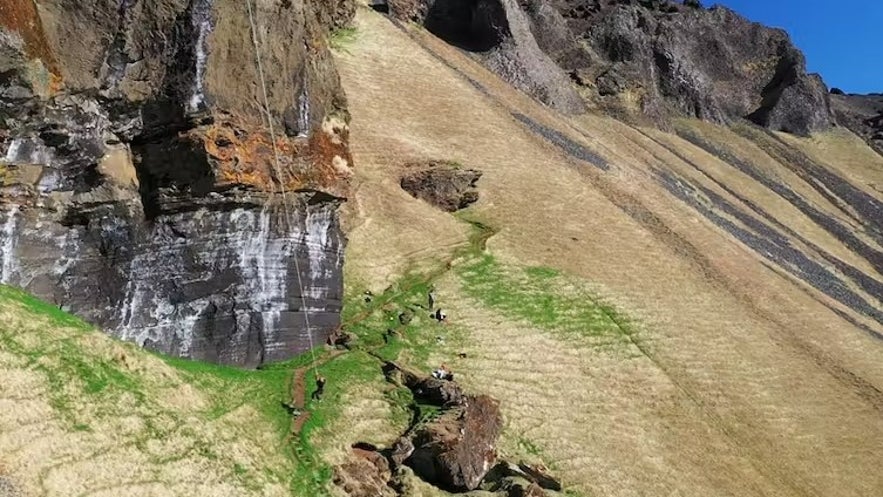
(316, 240)
(264, 263)
(147, 315)
(233, 296)
(303, 111)
(7, 249)
(202, 24)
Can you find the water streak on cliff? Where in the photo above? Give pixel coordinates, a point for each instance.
(7, 266)
(202, 25)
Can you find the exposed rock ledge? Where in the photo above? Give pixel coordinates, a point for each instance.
(140, 188)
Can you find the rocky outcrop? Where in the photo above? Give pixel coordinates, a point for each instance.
(364, 474)
(498, 33)
(151, 186)
(456, 450)
(452, 445)
(520, 480)
(863, 115)
(661, 58)
(446, 186)
(652, 58)
(442, 393)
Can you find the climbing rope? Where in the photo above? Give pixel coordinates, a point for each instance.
(278, 169)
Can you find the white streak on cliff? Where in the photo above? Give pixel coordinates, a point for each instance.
(8, 264)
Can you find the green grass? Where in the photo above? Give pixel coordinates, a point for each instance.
(44, 309)
(267, 390)
(530, 294)
(342, 38)
(71, 371)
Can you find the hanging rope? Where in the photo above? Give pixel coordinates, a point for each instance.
(278, 170)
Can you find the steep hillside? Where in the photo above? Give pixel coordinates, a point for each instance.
(862, 114)
(639, 59)
(747, 264)
(84, 415)
(690, 311)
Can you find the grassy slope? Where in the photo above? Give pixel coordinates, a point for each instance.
(730, 377)
(82, 410)
(230, 423)
(624, 360)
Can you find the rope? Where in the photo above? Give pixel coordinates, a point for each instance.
(278, 170)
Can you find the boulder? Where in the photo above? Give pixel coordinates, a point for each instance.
(456, 450)
(520, 487)
(426, 388)
(540, 475)
(437, 391)
(401, 451)
(444, 185)
(364, 474)
(519, 478)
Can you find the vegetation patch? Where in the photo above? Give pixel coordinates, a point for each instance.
(343, 38)
(530, 294)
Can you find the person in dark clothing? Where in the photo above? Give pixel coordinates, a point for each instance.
(320, 388)
(389, 335)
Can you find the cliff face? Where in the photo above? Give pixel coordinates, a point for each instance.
(143, 188)
(863, 115)
(653, 58)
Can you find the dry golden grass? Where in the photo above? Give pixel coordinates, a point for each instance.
(157, 439)
(846, 154)
(745, 383)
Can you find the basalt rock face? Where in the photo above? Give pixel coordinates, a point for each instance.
(498, 33)
(145, 188)
(652, 58)
(863, 115)
(661, 58)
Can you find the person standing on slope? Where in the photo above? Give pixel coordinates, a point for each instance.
(320, 388)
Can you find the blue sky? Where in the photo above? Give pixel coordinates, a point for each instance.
(842, 39)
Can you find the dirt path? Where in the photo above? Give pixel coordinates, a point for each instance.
(299, 391)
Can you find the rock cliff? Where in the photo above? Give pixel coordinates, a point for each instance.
(652, 58)
(862, 114)
(167, 168)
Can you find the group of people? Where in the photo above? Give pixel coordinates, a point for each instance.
(442, 373)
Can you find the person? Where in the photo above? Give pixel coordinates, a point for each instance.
(320, 387)
(440, 315)
(443, 373)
